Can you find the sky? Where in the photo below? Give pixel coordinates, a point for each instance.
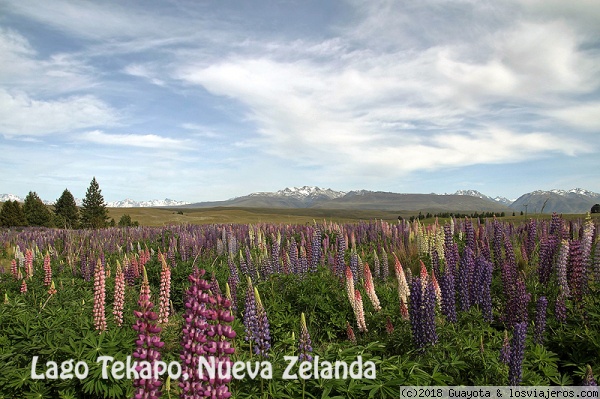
(209, 100)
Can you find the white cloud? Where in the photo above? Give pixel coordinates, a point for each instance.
(21, 115)
(133, 140)
(583, 116)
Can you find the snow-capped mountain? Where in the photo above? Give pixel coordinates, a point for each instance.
(304, 192)
(126, 203)
(129, 203)
(475, 193)
(576, 200)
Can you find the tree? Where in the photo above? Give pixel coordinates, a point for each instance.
(94, 213)
(596, 208)
(12, 214)
(36, 212)
(126, 221)
(66, 210)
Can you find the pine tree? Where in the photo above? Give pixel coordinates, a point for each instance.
(12, 214)
(65, 209)
(94, 213)
(36, 212)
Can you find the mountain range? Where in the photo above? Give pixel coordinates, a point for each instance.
(561, 201)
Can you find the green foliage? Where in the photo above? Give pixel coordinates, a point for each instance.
(126, 221)
(36, 212)
(94, 213)
(66, 211)
(12, 214)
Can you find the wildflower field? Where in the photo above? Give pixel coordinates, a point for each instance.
(371, 306)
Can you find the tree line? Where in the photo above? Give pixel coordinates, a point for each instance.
(66, 214)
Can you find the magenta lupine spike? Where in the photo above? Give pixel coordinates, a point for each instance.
(403, 290)
(119, 298)
(99, 297)
(47, 270)
(350, 333)
(23, 287)
(148, 343)
(424, 274)
(165, 292)
(404, 310)
(29, 262)
(370, 288)
(359, 312)
(389, 327)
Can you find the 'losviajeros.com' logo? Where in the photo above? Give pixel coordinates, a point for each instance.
(212, 366)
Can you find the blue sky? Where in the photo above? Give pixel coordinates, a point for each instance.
(208, 100)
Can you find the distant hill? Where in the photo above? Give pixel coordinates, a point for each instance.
(576, 200)
(317, 198)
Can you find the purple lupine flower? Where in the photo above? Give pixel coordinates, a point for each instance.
(354, 265)
(540, 320)
(340, 264)
(517, 354)
(148, 342)
(561, 268)
(243, 265)
(505, 349)
(304, 342)
(497, 244)
(233, 271)
(316, 250)
(548, 247)
(556, 226)
(470, 235)
(531, 237)
(560, 307)
(275, 247)
(588, 379)
(448, 296)
(422, 313)
(293, 254)
(576, 271)
(516, 307)
(250, 312)
(597, 262)
(467, 264)
(485, 284)
(262, 337)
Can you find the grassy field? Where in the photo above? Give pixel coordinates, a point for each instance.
(165, 216)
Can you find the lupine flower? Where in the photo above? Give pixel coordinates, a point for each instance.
(505, 350)
(304, 342)
(359, 312)
(516, 308)
(436, 289)
(29, 262)
(485, 287)
(13, 268)
(99, 297)
(588, 379)
(404, 310)
(23, 287)
(577, 269)
(350, 286)
(560, 308)
(370, 289)
(350, 333)
(232, 284)
(403, 290)
(376, 265)
(250, 311)
(422, 313)
(119, 298)
(448, 296)
(561, 268)
(148, 342)
(262, 335)
(165, 292)
(385, 269)
(52, 289)
(354, 264)
(465, 272)
(517, 354)
(540, 320)
(389, 327)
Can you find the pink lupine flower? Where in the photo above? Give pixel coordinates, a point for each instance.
(389, 327)
(165, 292)
(404, 310)
(370, 288)
(99, 297)
(359, 312)
(13, 268)
(148, 342)
(119, 299)
(350, 286)
(52, 289)
(350, 333)
(403, 290)
(23, 287)
(47, 270)
(436, 288)
(29, 263)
